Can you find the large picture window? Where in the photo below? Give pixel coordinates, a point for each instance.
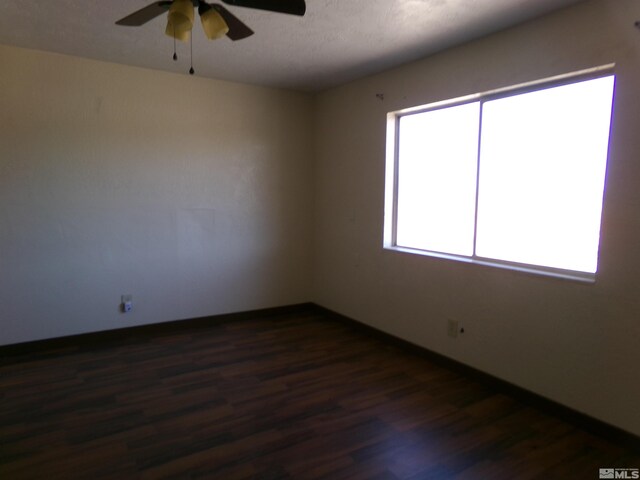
(513, 178)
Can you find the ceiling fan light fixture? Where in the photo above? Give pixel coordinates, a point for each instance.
(182, 35)
(181, 15)
(213, 24)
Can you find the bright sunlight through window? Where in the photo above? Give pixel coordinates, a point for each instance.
(513, 178)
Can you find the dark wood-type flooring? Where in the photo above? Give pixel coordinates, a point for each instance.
(297, 395)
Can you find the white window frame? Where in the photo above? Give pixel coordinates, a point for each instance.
(392, 162)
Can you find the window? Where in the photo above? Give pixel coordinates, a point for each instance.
(512, 178)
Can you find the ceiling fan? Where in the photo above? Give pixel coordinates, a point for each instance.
(217, 21)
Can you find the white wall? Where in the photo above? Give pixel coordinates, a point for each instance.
(575, 343)
(192, 195)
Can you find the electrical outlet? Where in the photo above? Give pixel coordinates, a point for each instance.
(126, 303)
(452, 328)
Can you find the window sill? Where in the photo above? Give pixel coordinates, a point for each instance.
(582, 277)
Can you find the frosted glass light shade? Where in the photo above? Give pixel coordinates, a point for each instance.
(180, 19)
(213, 24)
(183, 35)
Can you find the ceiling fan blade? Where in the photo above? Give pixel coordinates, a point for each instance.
(237, 29)
(145, 14)
(294, 7)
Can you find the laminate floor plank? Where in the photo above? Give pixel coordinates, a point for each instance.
(289, 396)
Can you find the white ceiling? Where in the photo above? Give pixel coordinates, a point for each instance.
(335, 42)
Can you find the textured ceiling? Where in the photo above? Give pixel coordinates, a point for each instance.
(335, 42)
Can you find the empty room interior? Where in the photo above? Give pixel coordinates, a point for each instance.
(344, 247)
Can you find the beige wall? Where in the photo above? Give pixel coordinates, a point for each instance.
(190, 194)
(575, 343)
(196, 196)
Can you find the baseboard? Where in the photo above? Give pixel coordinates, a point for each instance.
(579, 419)
(83, 341)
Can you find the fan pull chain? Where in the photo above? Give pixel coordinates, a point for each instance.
(191, 70)
(175, 55)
